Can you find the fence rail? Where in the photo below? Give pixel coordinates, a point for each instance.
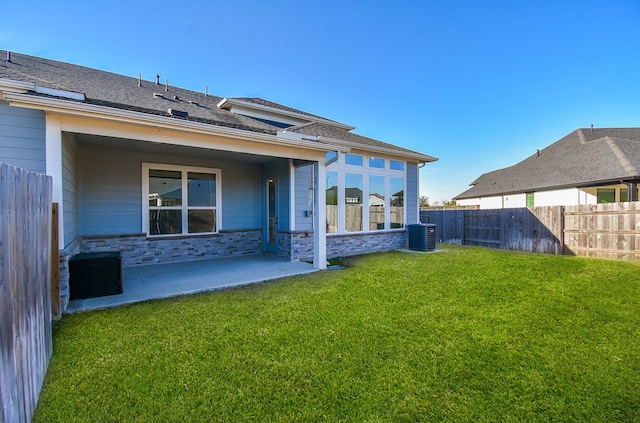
(25, 290)
(603, 230)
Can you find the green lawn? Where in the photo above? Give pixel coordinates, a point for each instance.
(467, 334)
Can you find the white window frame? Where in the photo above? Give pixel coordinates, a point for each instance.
(185, 203)
(342, 168)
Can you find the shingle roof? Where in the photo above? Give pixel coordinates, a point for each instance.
(585, 157)
(129, 93)
(119, 91)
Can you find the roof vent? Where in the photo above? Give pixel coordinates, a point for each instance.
(178, 113)
(157, 79)
(158, 95)
(176, 98)
(8, 56)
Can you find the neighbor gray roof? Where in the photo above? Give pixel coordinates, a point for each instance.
(585, 157)
(124, 92)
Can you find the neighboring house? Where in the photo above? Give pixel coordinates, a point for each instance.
(588, 166)
(162, 174)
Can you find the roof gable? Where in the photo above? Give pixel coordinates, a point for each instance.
(268, 110)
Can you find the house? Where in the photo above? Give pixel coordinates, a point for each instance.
(588, 166)
(161, 174)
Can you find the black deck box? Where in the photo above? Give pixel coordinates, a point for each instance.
(95, 275)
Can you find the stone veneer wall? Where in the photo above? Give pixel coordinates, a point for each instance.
(299, 245)
(137, 249)
(295, 245)
(70, 251)
(344, 245)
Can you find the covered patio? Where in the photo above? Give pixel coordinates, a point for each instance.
(143, 198)
(155, 281)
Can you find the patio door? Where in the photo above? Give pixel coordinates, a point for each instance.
(271, 232)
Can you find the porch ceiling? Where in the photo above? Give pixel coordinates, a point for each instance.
(98, 141)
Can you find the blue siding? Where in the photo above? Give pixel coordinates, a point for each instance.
(303, 181)
(70, 187)
(412, 193)
(242, 196)
(110, 190)
(22, 137)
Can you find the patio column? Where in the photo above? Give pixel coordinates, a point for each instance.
(53, 157)
(320, 217)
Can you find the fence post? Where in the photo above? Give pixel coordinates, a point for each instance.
(56, 312)
(562, 223)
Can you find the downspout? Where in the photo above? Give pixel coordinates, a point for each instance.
(420, 166)
(632, 192)
(333, 160)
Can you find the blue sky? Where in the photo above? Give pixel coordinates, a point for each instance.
(479, 84)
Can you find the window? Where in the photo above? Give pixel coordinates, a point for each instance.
(530, 200)
(366, 198)
(376, 202)
(396, 165)
(397, 203)
(376, 163)
(624, 195)
(606, 195)
(180, 200)
(353, 159)
(353, 191)
(332, 202)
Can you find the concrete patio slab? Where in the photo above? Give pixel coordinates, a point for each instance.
(147, 282)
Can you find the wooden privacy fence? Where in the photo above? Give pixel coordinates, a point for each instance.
(603, 230)
(25, 291)
(538, 229)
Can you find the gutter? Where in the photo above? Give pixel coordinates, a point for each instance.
(20, 86)
(421, 158)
